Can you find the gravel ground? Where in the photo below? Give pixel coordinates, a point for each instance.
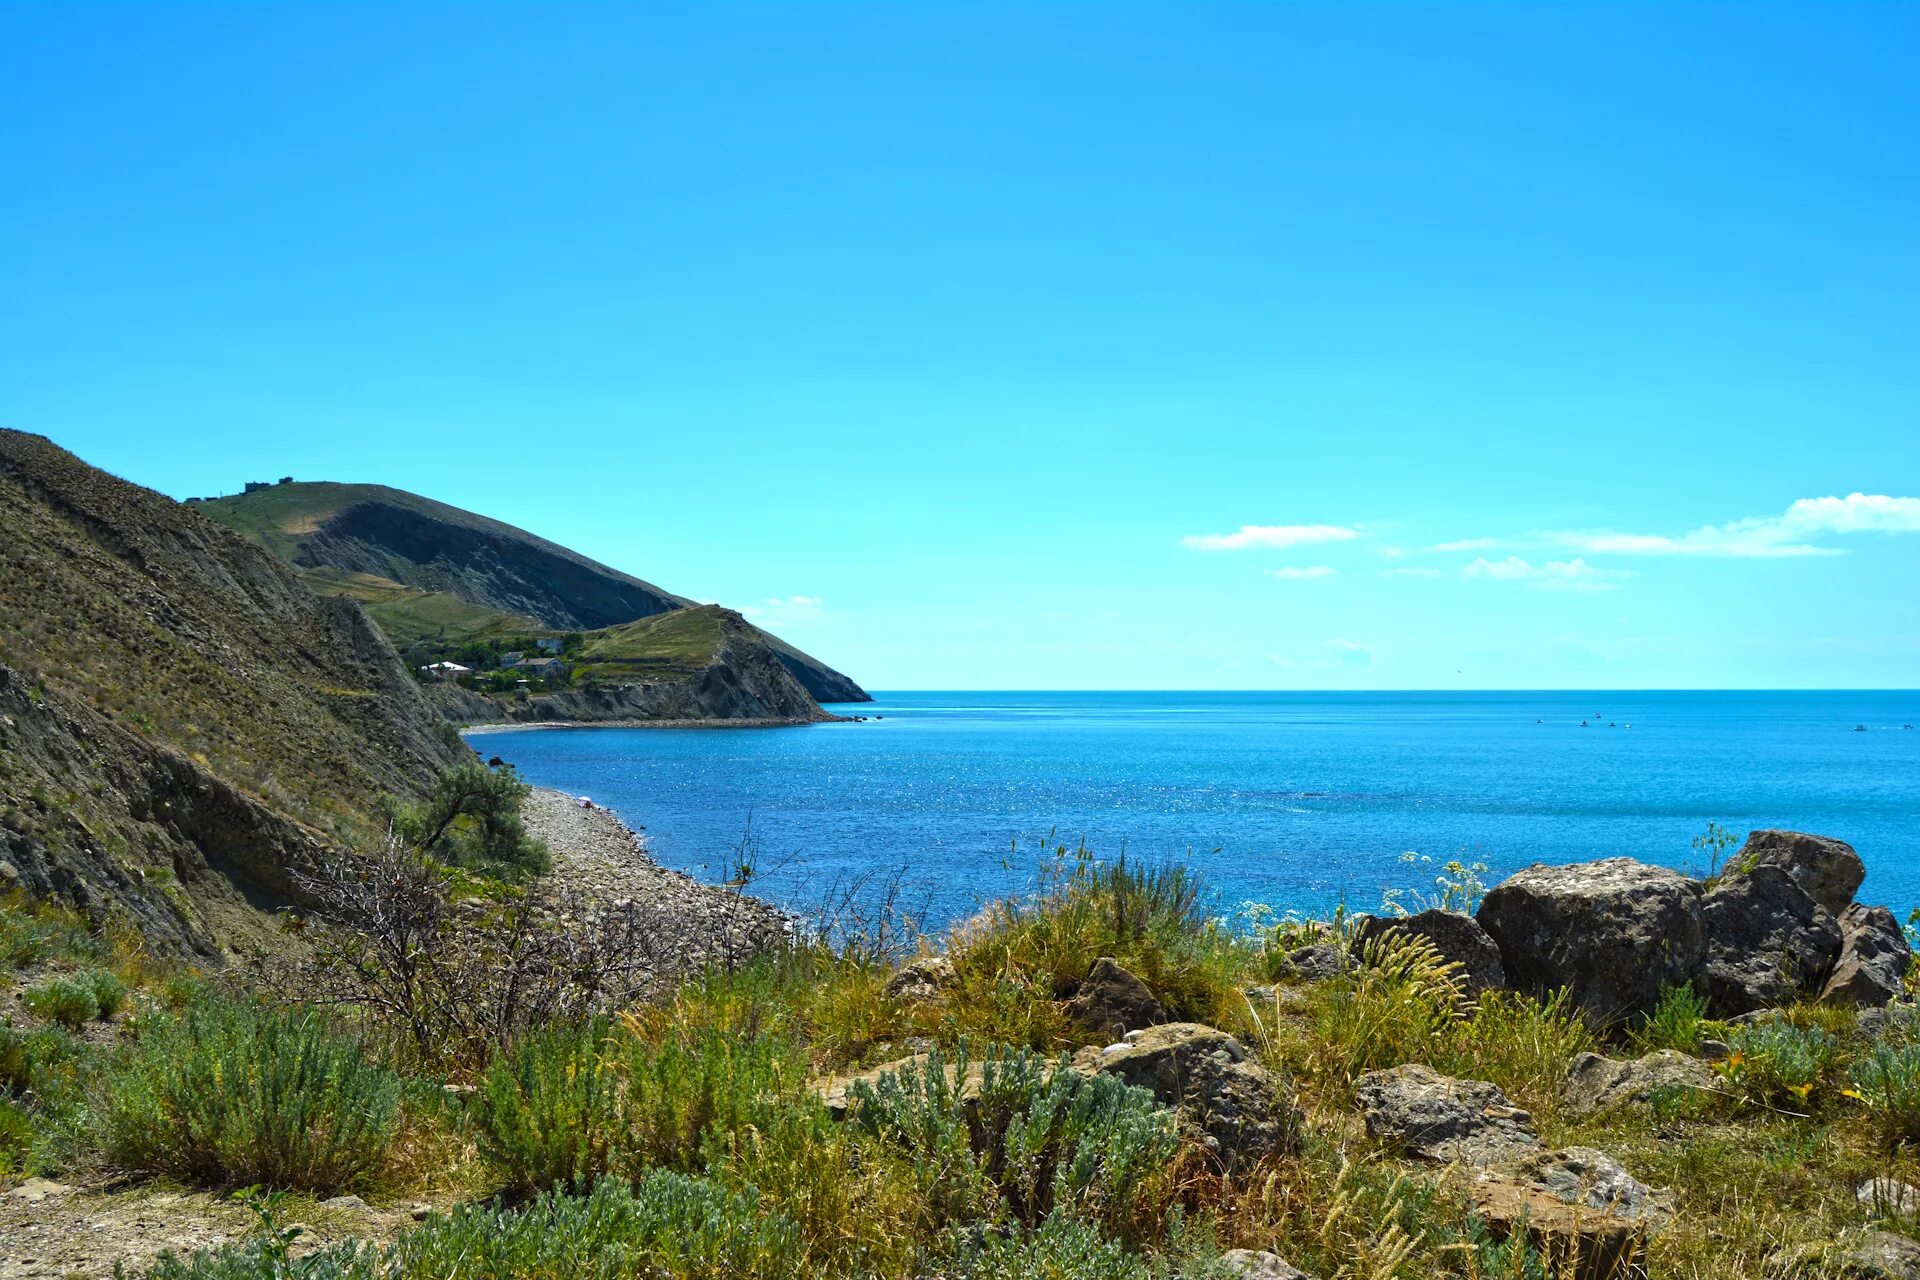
(599, 862)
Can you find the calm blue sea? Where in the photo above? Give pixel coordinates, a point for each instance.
(1293, 799)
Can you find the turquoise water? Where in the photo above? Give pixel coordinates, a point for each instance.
(1296, 800)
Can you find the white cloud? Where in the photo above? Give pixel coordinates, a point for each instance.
(1765, 537)
(1349, 654)
(1269, 536)
(1575, 574)
(788, 607)
(1472, 544)
(1292, 574)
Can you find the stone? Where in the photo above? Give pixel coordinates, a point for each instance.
(1573, 1241)
(348, 1204)
(1110, 1002)
(1896, 1020)
(1228, 1104)
(1828, 871)
(1614, 932)
(1874, 957)
(1436, 1117)
(927, 978)
(1319, 961)
(1457, 937)
(1258, 1264)
(1596, 1083)
(1859, 1255)
(1888, 1197)
(1595, 1180)
(1767, 941)
(34, 1190)
(1712, 1050)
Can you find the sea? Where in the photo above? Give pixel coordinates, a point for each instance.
(1281, 802)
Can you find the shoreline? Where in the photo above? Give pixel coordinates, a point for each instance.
(709, 722)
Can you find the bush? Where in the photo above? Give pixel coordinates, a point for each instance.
(472, 819)
(1521, 1044)
(1399, 1005)
(1778, 1063)
(70, 1002)
(1037, 1138)
(1677, 1021)
(1887, 1082)
(1061, 1249)
(108, 991)
(231, 1093)
(16, 1141)
(664, 1227)
(571, 1104)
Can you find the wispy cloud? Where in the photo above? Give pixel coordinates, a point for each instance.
(1412, 571)
(1564, 575)
(1472, 544)
(785, 606)
(1348, 653)
(1269, 537)
(1801, 530)
(1300, 573)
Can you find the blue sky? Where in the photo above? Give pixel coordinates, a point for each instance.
(965, 343)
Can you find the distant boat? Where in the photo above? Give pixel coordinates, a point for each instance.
(1859, 728)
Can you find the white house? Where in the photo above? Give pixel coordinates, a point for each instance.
(444, 671)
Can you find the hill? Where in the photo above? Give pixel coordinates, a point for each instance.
(181, 717)
(424, 568)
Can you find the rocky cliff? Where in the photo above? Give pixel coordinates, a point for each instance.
(181, 718)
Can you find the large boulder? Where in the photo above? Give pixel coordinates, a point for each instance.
(1434, 1117)
(1859, 1255)
(1457, 938)
(1228, 1104)
(1614, 932)
(927, 978)
(1828, 871)
(1874, 956)
(1111, 1002)
(1319, 961)
(1258, 1264)
(1573, 1241)
(1768, 941)
(1595, 1083)
(1593, 1179)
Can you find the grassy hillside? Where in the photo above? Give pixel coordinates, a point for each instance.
(666, 646)
(178, 704)
(409, 614)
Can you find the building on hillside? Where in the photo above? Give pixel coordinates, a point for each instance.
(550, 645)
(544, 667)
(444, 671)
(512, 659)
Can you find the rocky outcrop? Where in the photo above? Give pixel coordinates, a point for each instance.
(1592, 1179)
(1110, 1002)
(1768, 941)
(1874, 957)
(1888, 1198)
(1318, 961)
(1434, 1117)
(1613, 932)
(1573, 1241)
(1456, 937)
(1230, 1106)
(1828, 871)
(927, 978)
(1860, 1255)
(1258, 1264)
(1596, 1083)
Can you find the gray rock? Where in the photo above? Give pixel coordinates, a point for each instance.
(1457, 937)
(1594, 1179)
(1767, 941)
(346, 1204)
(1320, 961)
(1827, 871)
(1595, 1083)
(1712, 1050)
(34, 1190)
(1436, 1117)
(927, 978)
(1111, 1002)
(1258, 1264)
(1613, 932)
(1874, 956)
(1882, 1024)
(1887, 1197)
(1860, 1255)
(1229, 1105)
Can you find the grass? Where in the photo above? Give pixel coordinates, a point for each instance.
(231, 1093)
(666, 646)
(408, 615)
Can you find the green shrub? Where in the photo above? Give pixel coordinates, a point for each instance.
(1677, 1021)
(568, 1105)
(1521, 1044)
(109, 993)
(70, 1002)
(1778, 1063)
(1035, 1137)
(16, 1141)
(664, 1227)
(1400, 1004)
(231, 1093)
(1887, 1082)
(23, 940)
(1060, 1249)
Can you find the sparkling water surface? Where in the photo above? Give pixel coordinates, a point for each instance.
(1297, 800)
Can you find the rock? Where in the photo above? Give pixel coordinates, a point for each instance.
(1436, 1117)
(1826, 870)
(1457, 937)
(1614, 932)
(1229, 1105)
(1712, 1050)
(420, 1212)
(1860, 1255)
(927, 978)
(1886, 1197)
(1258, 1264)
(1319, 961)
(1111, 1002)
(1594, 1179)
(1575, 1242)
(348, 1204)
(1596, 1083)
(1874, 956)
(1884, 1024)
(34, 1190)
(1768, 941)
